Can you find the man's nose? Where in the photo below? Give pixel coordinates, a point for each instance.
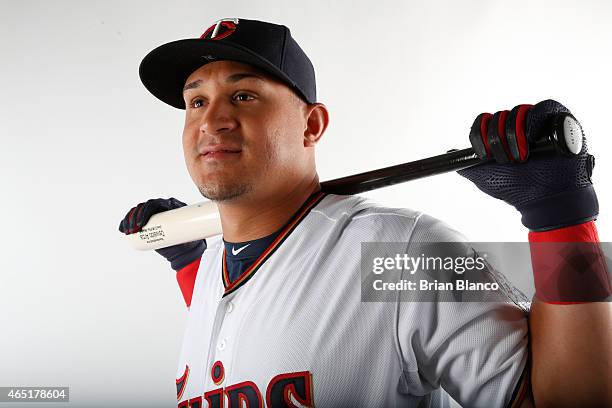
(218, 118)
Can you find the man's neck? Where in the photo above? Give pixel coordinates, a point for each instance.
(246, 220)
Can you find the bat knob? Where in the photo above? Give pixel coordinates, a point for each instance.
(567, 134)
(563, 136)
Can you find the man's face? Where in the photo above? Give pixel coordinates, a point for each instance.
(244, 132)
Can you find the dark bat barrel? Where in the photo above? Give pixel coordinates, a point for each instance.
(370, 180)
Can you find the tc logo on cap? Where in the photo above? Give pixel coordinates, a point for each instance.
(221, 29)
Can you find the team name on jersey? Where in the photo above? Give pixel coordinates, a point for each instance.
(282, 389)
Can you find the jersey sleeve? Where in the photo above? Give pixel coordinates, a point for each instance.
(476, 351)
(186, 277)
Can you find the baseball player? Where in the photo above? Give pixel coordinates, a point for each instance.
(275, 314)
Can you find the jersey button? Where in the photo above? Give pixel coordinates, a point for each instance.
(221, 345)
(229, 307)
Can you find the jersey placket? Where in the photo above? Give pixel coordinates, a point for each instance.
(222, 341)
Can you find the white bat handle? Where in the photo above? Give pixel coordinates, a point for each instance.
(185, 224)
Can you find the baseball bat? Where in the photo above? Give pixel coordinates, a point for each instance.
(201, 220)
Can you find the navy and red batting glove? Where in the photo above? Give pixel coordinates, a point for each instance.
(554, 194)
(550, 191)
(179, 255)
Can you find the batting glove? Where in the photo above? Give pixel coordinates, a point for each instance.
(549, 190)
(179, 255)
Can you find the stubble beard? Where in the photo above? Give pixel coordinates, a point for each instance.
(224, 192)
(227, 192)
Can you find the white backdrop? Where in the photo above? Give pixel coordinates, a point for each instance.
(83, 141)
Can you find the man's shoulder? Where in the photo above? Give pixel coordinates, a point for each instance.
(384, 222)
(356, 207)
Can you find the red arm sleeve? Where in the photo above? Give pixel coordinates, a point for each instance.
(186, 277)
(569, 265)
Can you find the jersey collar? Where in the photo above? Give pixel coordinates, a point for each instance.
(308, 205)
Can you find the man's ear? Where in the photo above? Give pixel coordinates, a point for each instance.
(317, 119)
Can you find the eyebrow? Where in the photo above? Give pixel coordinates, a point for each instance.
(230, 79)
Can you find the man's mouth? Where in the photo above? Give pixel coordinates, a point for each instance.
(221, 153)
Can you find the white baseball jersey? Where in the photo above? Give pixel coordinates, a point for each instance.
(293, 331)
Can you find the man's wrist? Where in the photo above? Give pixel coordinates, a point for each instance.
(569, 265)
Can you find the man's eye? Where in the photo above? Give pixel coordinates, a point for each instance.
(243, 97)
(197, 103)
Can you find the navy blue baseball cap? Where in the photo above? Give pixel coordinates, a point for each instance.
(263, 45)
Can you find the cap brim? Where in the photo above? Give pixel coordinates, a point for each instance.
(164, 70)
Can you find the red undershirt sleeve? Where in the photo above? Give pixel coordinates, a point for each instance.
(186, 277)
(569, 265)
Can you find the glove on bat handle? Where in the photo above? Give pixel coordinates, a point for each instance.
(564, 136)
(199, 221)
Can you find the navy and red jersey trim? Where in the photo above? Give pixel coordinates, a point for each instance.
(181, 383)
(230, 287)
